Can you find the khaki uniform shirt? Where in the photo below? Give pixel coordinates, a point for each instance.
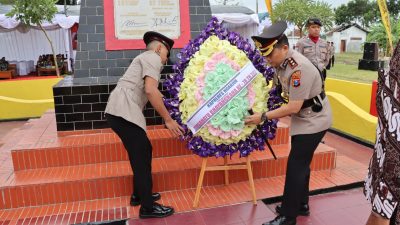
(128, 98)
(300, 80)
(332, 50)
(317, 53)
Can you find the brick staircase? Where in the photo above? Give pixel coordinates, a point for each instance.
(43, 168)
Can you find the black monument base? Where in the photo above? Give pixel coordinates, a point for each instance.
(80, 103)
(374, 65)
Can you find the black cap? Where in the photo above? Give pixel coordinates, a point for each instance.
(314, 21)
(155, 36)
(269, 37)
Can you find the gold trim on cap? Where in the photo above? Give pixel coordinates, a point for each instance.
(266, 50)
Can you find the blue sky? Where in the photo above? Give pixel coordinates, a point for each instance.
(262, 8)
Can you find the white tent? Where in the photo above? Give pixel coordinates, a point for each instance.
(239, 19)
(245, 25)
(23, 45)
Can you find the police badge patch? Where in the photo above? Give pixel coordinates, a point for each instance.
(296, 77)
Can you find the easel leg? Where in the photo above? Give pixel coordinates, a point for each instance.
(251, 181)
(226, 171)
(200, 183)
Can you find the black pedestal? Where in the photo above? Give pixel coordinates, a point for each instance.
(80, 103)
(374, 65)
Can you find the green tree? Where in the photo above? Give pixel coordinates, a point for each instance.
(7, 2)
(378, 34)
(343, 16)
(34, 12)
(366, 12)
(298, 11)
(394, 8)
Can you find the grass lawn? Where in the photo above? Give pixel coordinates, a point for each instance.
(346, 68)
(351, 73)
(348, 58)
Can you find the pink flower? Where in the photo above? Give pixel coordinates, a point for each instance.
(200, 80)
(218, 56)
(251, 95)
(210, 66)
(235, 133)
(214, 131)
(225, 135)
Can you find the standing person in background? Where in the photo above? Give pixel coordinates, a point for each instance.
(313, 47)
(328, 67)
(332, 54)
(124, 113)
(382, 185)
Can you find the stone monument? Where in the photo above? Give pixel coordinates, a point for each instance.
(109, 37)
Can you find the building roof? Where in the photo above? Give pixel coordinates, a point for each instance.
(73, 10)
(345, 27)
(296, 33)
(219, 9)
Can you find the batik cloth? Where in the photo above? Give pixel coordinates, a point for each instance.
(382, 185)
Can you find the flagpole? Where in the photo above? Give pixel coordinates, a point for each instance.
(257, 6)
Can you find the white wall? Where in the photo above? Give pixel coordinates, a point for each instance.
(351, 45)
(292, 41)
(335, 37)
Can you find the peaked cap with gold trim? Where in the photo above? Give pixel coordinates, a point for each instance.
(266, 41)
(155, 36)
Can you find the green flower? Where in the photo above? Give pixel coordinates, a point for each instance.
(231, 117)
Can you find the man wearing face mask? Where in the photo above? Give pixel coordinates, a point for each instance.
(124, 114)
(313, 47)
(310, 114)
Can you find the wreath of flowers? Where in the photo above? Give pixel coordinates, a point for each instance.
(207, 63)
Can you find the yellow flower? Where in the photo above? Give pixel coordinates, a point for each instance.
(189, 104)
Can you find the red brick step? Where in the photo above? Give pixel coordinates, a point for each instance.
(114, 179)
(89, 148)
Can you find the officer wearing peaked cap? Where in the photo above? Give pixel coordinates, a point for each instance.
(313, 47)
(124, 113)
(310, 116)
(155, 36)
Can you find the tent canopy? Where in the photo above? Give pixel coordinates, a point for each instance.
(58, 20)
(239, 19)
(21, 43)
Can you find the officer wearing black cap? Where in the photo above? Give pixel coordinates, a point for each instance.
(124, 113)
(313, 47)
(310, 115)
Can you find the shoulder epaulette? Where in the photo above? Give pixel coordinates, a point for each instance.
(292, 63)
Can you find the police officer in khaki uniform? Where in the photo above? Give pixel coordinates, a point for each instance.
(313, 47)
(124, 113)
(310, 114)
(332, 54)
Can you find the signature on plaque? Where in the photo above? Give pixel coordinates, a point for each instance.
(162, 21)
(132, 23)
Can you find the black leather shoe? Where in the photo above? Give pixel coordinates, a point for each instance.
(136, 200)
(157, 211)
(281, 220)
(304, 210)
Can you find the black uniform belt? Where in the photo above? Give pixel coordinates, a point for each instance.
(310, 102)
